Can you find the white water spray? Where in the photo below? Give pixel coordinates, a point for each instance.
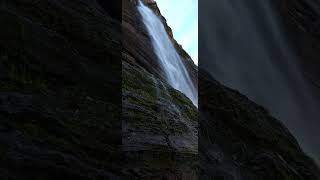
(169, 59)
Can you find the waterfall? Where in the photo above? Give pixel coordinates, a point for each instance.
(169, 59)
(244, 47)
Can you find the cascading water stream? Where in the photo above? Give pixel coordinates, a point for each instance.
(169, 59)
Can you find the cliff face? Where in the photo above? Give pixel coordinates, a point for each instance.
(160, 124)
(238, 139)
(59, 90)
(67, 69)
(132, 22)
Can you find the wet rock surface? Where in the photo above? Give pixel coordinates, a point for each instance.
(160, 127)
(160, 124)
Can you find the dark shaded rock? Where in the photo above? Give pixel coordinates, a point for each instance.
(302, 21)
(114, 8)
(60, 91)
(238, 139)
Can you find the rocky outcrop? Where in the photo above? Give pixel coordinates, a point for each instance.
(238, 139)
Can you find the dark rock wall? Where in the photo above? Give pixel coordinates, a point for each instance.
(113, 8)
(63, 85)
(60, 90)
(302, 20)
(238, 139)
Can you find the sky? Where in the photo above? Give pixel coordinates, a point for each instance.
(182, 17)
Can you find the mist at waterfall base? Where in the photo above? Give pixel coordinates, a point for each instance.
(169, 59)
(242, 46)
